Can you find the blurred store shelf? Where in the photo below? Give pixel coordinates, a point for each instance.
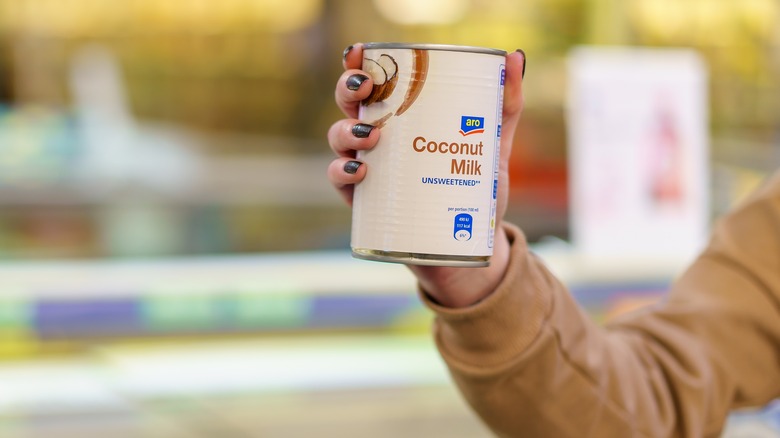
(52, 306)
(334, 386)
(110, 375)
(221, 181)
(48, 304)
(361, 387)
(277, 180)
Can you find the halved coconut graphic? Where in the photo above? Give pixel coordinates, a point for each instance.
(384, 72)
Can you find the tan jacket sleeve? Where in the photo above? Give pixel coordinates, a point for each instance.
(532, 364)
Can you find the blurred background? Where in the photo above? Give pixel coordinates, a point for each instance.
(174, 262)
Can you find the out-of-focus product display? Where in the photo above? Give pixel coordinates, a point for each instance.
(430, 198)
(639, 153)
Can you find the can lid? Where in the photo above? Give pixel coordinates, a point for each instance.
(444, 47)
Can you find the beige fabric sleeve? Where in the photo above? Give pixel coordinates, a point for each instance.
(531, 363)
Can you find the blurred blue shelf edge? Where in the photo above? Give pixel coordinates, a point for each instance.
(241, 294)
(216, 295)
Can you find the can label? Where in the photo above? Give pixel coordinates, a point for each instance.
(429, 196)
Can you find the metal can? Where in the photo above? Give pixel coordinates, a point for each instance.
(429, 196)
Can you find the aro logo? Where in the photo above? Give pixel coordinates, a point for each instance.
(471, 125)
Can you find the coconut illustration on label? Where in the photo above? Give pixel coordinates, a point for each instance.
(384, 72)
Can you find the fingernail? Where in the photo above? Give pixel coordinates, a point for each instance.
(351, 167)
(346, 52)
(354, 81)
(362, 130)
(525, 61)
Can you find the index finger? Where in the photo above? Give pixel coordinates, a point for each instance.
(353, 56)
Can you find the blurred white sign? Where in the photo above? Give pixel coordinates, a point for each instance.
(638, 153)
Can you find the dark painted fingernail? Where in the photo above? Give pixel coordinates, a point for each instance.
(352, 167)
(354, 81)
(362, 130)
(525, 60)
(346, 52)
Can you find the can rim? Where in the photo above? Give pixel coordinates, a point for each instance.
(442, 47)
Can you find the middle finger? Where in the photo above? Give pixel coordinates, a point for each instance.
(349, 135)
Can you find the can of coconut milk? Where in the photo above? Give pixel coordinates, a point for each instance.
(429, 196)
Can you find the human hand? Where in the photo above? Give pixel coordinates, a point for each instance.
(449, 286)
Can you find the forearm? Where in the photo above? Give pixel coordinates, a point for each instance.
(508, 354)
(531, 363)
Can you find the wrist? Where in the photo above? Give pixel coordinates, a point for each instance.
(464, 287)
